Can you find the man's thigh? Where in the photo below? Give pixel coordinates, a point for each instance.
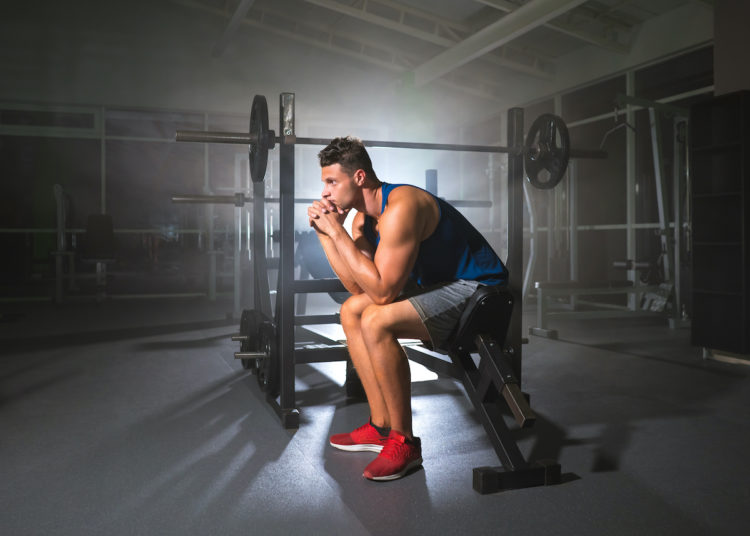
(439, 309)
(400, 318)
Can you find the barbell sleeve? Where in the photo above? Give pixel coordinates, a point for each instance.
(200, 136)
(250, 355)
(236, 200)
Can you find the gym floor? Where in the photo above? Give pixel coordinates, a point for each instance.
(132, 417)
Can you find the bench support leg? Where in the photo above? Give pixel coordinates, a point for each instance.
(486, 384)
(494, 479)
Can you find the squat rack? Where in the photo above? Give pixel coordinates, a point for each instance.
(269, 347)
(273, 352)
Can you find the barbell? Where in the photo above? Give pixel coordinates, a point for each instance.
(546, 150)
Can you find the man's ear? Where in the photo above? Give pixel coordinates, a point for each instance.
(360, 176)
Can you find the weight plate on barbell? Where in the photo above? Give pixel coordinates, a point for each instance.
(546, 151)
(269, 366)
(260, 133)
(250, 322)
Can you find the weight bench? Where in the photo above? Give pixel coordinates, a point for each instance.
(486, 369)
(548, 289)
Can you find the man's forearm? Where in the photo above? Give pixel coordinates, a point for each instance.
(341, 267)
(362, 269)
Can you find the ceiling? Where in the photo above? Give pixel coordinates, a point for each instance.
(472, 46)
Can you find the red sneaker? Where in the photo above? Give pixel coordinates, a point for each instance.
(366, 437)
(398, 457)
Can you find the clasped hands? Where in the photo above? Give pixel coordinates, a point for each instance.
(326, 217)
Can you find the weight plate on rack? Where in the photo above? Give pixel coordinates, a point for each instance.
(263, 138)
(546, 151)
(250, 322)
(269, 366)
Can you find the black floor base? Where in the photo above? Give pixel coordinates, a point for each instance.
(494, 479)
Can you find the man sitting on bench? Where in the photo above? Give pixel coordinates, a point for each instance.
(411, 263)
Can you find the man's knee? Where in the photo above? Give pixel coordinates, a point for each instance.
(375, 322)
(351, 312)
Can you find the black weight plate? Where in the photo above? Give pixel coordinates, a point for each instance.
(546, 151)
(259, 133)
(269, 366)
(250, 322)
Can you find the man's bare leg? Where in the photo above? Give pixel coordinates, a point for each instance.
(381, 326)
(351, 316)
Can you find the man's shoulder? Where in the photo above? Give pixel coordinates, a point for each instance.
(406, 194)
(411, 208)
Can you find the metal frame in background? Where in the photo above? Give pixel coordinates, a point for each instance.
(65, 273)
(672, 240)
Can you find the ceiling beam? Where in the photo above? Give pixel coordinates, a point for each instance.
(445, 33)
(375, 53)
(234, 23)
(566, 28)
(524, 19)
(384, 22)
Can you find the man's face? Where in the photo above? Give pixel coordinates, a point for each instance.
(339, 187)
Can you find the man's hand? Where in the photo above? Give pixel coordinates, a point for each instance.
(326, 217)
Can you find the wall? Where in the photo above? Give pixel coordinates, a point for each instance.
(158, 55)
(731, 46)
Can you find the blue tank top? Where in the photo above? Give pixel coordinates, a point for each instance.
(455, 250)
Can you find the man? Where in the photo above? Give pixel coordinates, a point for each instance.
(411, 263)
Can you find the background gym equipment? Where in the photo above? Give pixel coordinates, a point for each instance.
(99, 248)
(660, 288)
(491, 324)
(544, 160)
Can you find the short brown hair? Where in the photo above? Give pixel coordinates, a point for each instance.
(350, 153)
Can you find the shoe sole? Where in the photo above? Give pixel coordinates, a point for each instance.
(412, 465)
(365, 447)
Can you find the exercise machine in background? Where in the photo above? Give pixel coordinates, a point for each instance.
(656, 286)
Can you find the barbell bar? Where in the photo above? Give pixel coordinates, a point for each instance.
(241, 138)
(541, 150)
(240, 199)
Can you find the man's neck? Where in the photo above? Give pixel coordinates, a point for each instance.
(372, 200)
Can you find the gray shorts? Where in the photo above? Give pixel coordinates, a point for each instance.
(440, 307)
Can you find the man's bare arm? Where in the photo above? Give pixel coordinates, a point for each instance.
(401, 228)
(341, 268)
